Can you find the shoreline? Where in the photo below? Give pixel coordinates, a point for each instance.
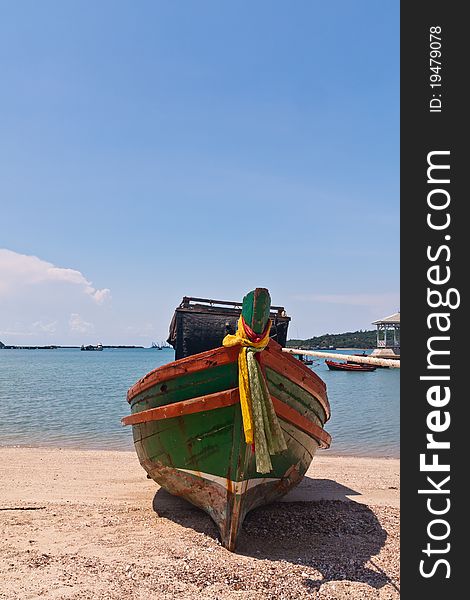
(87, 523)
(321, 452)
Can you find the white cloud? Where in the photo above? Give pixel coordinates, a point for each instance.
(15, 333)
(79, 325)
(99, 296)
(18, 270)
(45, 327)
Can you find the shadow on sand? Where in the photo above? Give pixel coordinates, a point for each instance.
(326, 531)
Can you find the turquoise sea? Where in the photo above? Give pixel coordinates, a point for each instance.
(68, 398)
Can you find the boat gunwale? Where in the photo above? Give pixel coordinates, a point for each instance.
(271, 356)
(184, 366)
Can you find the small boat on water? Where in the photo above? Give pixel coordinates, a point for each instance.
(304, 359)
(90, 347)
(348, 366)
(233, 422)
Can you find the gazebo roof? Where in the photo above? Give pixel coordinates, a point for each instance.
(391, 320)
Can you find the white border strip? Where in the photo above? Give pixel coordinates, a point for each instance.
(239, 487)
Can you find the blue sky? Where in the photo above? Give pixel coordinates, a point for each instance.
(153, 150)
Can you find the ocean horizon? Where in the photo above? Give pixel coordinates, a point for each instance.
(73, 399)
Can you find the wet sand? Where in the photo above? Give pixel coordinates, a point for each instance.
(88, 524)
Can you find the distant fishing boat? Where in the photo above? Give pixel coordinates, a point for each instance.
(233, 422)
(90, 347)
(303, 358)
(348, 366)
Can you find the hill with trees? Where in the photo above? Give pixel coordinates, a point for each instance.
(350, 339)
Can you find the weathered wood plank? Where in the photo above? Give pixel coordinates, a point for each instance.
(221, 400)
(184, 366)
(295, 396)
(185, 407)
(256, 309)
(296, 372)
(292, 416)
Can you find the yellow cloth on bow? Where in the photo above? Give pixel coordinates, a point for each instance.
(240, 339)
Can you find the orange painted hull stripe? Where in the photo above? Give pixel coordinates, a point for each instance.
(223, 399)
(184, 407)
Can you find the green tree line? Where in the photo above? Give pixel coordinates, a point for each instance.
(350, 339)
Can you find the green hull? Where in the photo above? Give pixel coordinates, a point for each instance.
(203, 456)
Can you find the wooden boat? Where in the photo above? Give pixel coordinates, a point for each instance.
(303, 359)
(90, 347)
(348, 366)
(189, 421)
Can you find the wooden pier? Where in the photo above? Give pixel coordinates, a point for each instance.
(367, 360)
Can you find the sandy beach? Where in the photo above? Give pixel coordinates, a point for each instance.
(88, 524)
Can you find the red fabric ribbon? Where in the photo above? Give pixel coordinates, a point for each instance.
(251, 335)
